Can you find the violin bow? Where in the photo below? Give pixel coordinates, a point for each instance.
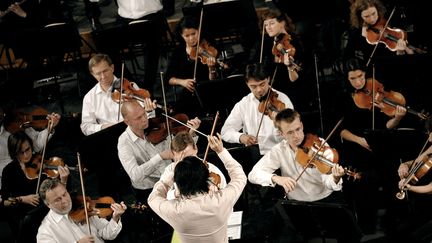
(412, 171)
(49, 128)
(184, 124)
(165, 105)
(196, 58)
(319, 149)
(380, 36)
(211, 134)
(83, 192)
(121, 91)
(373, 97)
(262, 41)
(266, 101)
(318, 93)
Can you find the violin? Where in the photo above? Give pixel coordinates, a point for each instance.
(272, 104)
(417, 171)
(157, 130)
(389, 37)
(100, 206)
(129, 92)
(36, 119)
(388, 100)
(324, 160)
(283, 46)
(206, 51)
(49, 167)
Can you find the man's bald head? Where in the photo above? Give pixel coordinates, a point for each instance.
(129, 107)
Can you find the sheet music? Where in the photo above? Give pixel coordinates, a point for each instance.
(234, 225)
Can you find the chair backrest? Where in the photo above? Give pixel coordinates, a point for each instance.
(222, 94)
(30, 224)
(312, 219)
(59, 39)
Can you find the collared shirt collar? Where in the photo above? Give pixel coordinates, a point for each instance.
(100, 90)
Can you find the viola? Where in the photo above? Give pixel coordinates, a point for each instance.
(206, 51)
(100, 206)
(388, 100)
(157, 130)
(273, 104)
(282, 46)
(416, 172)
(323, 159)
(50, 167)
(389, 37)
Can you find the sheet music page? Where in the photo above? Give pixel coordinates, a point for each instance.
(234, 225)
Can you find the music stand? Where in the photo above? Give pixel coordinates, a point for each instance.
(317, 219)
(221, 94)
(237, 22)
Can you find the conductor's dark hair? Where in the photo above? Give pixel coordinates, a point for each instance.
(191, 176)
(15, 141)
(256, 71)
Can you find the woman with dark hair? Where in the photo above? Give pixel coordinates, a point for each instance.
(359, 148)
(18, 187)
(283, 50)
(181, 67)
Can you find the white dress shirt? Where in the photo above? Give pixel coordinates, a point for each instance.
(135, 9)
(245, 117)
(141, 159)
(61, 229)
(38, 138)
(203, 217)
(98, 108)
(311, 186)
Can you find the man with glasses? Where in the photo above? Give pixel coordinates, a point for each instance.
(99, 110)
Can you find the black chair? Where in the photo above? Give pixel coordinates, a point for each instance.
(50, 52)
(237, 24)
(221, 94)
(30, 224)
(320, 220)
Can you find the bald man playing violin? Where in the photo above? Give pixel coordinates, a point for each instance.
(57, 226)
(142, 160)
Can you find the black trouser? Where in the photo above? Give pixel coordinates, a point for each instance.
(152, 35)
